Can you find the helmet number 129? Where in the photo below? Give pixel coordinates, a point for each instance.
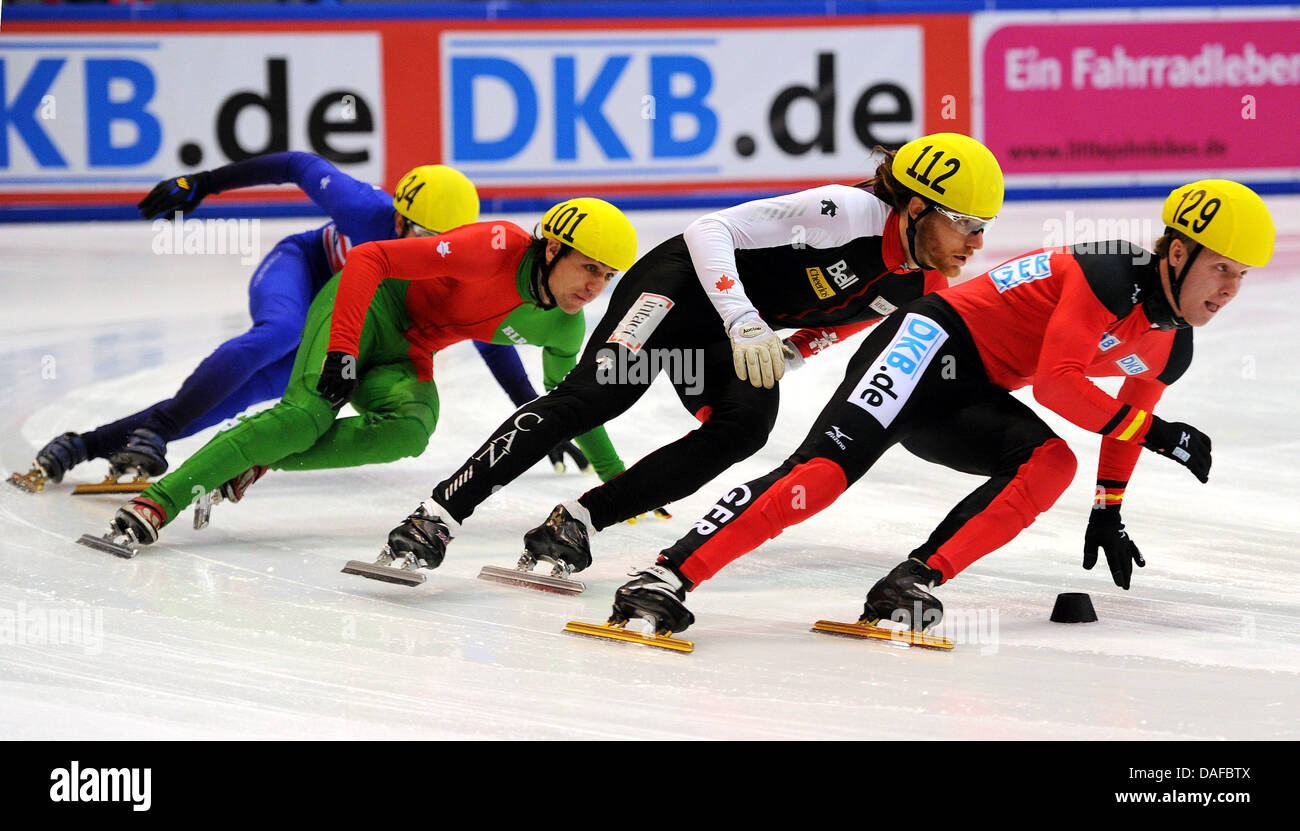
(1208, 210)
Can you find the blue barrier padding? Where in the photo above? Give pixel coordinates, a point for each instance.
(600, 9)
(532, 204)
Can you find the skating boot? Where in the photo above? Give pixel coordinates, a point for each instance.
(901, 596)
(561, 541)
(136, 524)
(419, 542)
(145, 453)
(658, 594)
(52, 462)
(231, 491)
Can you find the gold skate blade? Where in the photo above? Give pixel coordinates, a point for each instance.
(618, 633)
(864, 630)
(372, 571)
(107, 546)
(33, 481)
(531, 580)
(112, 485)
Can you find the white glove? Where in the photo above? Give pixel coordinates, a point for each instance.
(793, 357)
(757, 351)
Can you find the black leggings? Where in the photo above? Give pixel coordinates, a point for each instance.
(659, 320)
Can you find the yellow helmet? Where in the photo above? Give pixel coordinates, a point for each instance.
(436, 197)
(1224, 216)
(952, 170)
(594, 227)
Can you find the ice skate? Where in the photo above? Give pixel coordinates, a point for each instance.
(145, 453)
(143, 456)
(135, 525)
(561, 541)
(232, 491)
(420, 542)
(901, 596)
(53, 461)
(658, 595)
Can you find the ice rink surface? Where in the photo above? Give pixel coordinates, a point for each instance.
(248, 630)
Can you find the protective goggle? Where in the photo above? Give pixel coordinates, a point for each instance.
(418, 230)
(966, 225)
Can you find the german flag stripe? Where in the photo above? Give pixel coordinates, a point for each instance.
(1115, 420)
(1129, 426)
(1109, 492)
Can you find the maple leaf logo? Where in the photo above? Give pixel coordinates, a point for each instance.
(725, 283)
(828, 208)
(444, 248)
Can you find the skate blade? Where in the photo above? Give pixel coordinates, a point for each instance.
(112, 485)
(33, 481)
(107, 546)
(401, 576)
(863, 630)
(618, 633)
(202, 511)
(531, 580)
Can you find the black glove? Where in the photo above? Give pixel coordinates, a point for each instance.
(338, 378)
(579, 460)
(184, 193)
(1181, 442)
(1107, 531)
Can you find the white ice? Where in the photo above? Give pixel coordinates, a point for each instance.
(247, 629)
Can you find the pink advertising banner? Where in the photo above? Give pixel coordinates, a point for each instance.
(1142, 97)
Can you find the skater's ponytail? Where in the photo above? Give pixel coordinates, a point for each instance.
(884, 185)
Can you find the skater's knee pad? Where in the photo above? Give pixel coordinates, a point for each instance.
(1049, 471)
(808, 488)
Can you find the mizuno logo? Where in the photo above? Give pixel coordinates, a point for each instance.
(835, 434)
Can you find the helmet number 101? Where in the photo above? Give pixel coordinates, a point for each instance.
(565, 222)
